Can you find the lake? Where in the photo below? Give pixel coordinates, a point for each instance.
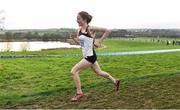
(33, 46)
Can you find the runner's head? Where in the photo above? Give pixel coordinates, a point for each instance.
(83, 18)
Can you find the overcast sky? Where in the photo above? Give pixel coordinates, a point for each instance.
(29, 14)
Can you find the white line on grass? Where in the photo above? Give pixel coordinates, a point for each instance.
(98, 53)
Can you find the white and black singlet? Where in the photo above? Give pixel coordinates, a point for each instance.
(87, 45)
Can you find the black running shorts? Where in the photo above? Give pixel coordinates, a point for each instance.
(92, 59)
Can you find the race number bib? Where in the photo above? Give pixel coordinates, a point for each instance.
(82, 43)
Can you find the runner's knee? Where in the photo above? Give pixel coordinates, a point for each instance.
(73, 71)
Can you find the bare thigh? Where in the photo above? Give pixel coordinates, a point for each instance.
(81, 65)
(96, 68)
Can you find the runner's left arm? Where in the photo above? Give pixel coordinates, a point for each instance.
(105, 33)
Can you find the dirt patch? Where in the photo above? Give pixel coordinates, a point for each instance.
(157, 92)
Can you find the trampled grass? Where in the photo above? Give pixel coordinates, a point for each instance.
(148, 81)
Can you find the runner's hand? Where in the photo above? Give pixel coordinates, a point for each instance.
(97, 43)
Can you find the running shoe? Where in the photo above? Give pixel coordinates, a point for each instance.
(77, 97)
(117, 84)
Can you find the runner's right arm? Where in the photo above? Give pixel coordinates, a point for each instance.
(76, 39)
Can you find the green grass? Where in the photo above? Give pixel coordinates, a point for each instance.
(136, 45)
(148, 81)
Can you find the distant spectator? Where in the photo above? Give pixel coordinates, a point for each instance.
(168, 42)
(173, 42)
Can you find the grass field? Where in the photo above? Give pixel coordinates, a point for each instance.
(148, 81)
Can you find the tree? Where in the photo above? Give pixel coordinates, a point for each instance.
(8, 36)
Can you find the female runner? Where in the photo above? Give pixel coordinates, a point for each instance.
(86, 38)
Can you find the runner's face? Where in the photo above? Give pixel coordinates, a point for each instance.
(80, 21)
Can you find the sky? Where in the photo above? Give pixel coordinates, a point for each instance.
(122, 14)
